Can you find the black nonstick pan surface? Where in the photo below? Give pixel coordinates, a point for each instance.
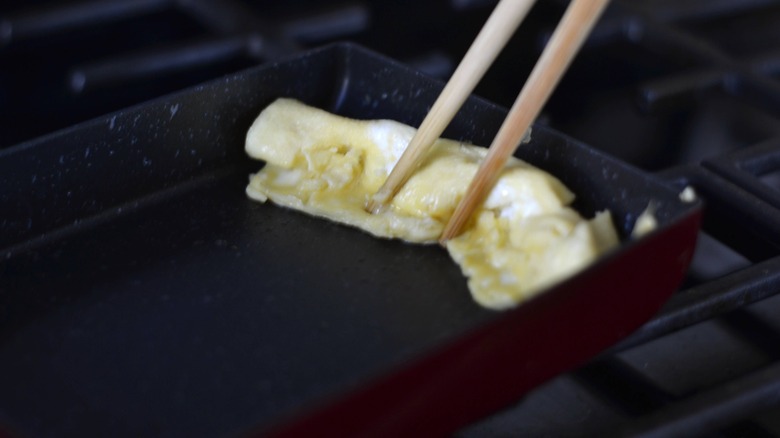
(142, 293)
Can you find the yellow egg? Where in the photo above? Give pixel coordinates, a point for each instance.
(523, 239)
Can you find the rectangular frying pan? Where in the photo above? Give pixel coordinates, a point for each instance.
(142, 293)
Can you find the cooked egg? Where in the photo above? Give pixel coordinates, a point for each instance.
(524, 238)
(645, 222)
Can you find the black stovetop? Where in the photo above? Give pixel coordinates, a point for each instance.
(685, 88)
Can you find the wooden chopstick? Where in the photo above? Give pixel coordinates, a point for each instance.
(571, 32)
(483, 51)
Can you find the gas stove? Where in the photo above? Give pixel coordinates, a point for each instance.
(688, 90)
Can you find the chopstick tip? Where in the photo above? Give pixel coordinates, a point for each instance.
(375, 205)
(446, 235)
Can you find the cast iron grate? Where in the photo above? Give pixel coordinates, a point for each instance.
(94, 56)
(691, 85)
(62, 62)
